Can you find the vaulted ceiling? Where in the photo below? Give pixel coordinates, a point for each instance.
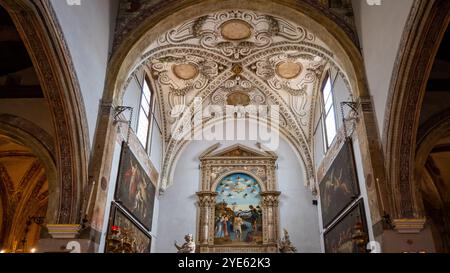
(23, 190)
(239, 58)
(132, 13)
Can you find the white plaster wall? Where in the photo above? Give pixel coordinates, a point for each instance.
(178, 211)
(88, 30)
(34, 110)
(156, 146)
(132, 98)
(362, 187)
(380, 29)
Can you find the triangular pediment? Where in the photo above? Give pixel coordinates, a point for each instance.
(236, 150)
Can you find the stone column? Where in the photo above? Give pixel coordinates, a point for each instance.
(270, 217)
(100, 169)
(206, 202)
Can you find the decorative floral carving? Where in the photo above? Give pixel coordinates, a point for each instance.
(264, 30)
(163, 72)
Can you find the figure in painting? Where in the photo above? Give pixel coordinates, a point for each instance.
(335, 189)
(188, 246)
(219, 227)
(132, 178)
(142, 198)
(237, 225)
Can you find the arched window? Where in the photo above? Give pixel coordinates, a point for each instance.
(145, 114)
(328, 112)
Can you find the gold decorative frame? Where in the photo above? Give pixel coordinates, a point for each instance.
(215, 165)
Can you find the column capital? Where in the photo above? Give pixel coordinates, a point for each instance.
(63, 231)
(270, 198)
(206, 198)
(270, 193)
(409, 225)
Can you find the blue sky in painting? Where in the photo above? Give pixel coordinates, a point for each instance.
(239, 191)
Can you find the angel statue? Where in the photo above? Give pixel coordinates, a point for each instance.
(285, 244)
(188, 246)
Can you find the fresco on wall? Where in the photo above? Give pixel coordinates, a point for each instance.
(135, 192)
(339, 187)
(238, 213)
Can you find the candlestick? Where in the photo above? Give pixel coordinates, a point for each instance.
(90, 198)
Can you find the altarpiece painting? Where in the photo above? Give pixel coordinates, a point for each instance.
(238, 210)
(238, 201)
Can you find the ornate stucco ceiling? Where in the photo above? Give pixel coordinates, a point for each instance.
(272, 61)
(133, 12)
(238, 57)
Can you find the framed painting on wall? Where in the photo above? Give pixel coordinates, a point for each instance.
(134, 190)
(124, 234)
(349, 234)
(339, 187)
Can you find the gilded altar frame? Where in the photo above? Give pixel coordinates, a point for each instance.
(217, 164)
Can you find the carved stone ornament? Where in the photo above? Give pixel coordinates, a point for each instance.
(188, 246)
(285, 244)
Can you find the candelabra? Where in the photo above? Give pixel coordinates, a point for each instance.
(120, 241)
(359, 238)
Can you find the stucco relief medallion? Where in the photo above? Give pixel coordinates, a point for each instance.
(238, 98)
(236, 30)
(288, 69)
(185, 71)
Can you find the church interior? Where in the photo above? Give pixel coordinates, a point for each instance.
(224, 126)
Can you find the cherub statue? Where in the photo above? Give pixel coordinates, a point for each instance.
(285, 245)
(188, 246)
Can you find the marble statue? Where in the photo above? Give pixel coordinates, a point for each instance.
(285, 245)
(188, 246)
